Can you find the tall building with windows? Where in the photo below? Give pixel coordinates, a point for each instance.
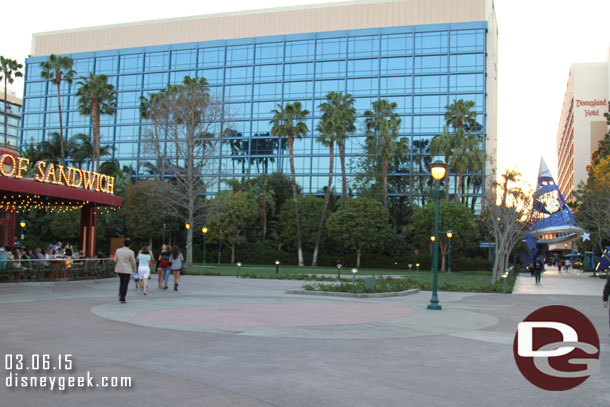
(582, 123)
(421, 54)
(12, 106)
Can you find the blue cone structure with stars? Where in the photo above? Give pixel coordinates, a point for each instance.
(551, 220)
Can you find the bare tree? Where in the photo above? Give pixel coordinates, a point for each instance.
(507, 222)
(592, 211)
(185, 129)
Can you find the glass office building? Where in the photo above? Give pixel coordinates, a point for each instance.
(12, 107)
(422, 68)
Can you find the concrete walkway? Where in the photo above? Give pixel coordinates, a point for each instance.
(573, 282)
(223, 341)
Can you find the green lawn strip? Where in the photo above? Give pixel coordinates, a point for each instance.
(262, 270)
(470, 281)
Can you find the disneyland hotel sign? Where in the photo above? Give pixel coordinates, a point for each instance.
(16, 167)
(590, 106)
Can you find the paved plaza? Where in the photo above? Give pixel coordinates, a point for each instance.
(223, 341)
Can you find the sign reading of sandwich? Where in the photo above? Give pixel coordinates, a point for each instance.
(16, 167)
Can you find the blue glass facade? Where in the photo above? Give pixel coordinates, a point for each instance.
(421, 68)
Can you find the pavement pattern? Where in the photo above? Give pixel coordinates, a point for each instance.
(223, 341)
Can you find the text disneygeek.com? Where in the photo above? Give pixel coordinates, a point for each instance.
(24, 372)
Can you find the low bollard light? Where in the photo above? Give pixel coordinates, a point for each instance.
(339, 267)
(504, 277)
(354, 271)
(417, 269)
(238, 264)
(277, 266)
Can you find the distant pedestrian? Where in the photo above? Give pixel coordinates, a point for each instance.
(177, 260)
(606, 293)
(559, 265)
(567, 265)
(144, 261)
(3, 259)
(538, 269)
(165, 264)
(125, 266)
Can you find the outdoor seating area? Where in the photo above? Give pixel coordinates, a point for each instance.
(55, 270)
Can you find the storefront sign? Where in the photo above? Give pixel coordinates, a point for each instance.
(16, 167)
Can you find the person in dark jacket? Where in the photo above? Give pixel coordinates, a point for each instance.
(538, 269)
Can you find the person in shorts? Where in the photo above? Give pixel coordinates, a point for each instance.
(144, 261)
(165, 264)
(177, 260)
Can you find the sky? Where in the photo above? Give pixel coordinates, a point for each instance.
(538, 40)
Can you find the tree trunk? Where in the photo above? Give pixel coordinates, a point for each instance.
(386, 160)
(443, 246)
(61, 127)
(459, 196)
(264, 218)
(95, 121)
(358, 251)
(447, 176)
(232, 254)
(295, 198)
(343, 175)
(331, 153)
(189, 247)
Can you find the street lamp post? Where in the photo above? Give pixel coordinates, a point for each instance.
(22, 224)
(449, 236)
(438, 170)
(163, 233)
(204, 230)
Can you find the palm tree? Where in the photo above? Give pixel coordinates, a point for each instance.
(382, 125)
(265, 194)
(57, 69)
(460, 116)
(338, 118)
(508, 176)
(96, 97)
(421, 150)
(469, 156)
(52, 148)
(288, 122)
(9, 70)
(443, 144)
(81, 149)
(462, 120)
(345, 106)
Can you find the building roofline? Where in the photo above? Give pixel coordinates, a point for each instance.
(216, 15)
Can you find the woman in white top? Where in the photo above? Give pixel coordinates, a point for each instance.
(177, 260)
(144, 260)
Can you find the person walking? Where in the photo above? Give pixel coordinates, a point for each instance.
(177, 260)
(165, 264)
(538, 269)
(144, 261)
(125, 265)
